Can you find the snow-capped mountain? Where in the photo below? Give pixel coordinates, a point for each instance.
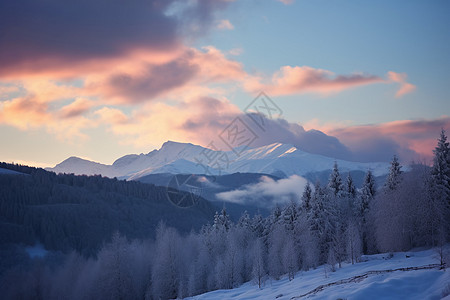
(185, 158)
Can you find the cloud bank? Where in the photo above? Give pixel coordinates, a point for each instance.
(267, 192)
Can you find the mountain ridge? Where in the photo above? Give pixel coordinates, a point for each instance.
(185, 158)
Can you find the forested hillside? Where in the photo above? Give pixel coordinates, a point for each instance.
(68, 212)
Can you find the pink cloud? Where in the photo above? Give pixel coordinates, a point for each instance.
(286, 2)
(225, 25)
(295, 80)
(405, 87)
(410, 139)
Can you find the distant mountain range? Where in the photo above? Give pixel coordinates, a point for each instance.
(281, 160)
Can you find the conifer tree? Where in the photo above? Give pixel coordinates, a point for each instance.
(306, 198)
(394, 176)
(335, 182)
(441, 166)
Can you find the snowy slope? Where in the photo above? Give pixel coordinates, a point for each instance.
(401, 284)
(182, 158)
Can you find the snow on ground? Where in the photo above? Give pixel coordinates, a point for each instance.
(415, 284)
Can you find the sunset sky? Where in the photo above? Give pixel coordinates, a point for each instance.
(101, 79)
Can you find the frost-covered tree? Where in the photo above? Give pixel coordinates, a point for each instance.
(363, 204)
(244, 220)
(290, 215)
(350, 189)
(115, 281)
(222, 221)
(354, 242)
(335, 182)
(441, 166)
(289, 258)
(306, 198)
(439, 191)
(259, 265)
(257, 225)
(276, 243)
(322, 220)
(167, 266)
(394, 176)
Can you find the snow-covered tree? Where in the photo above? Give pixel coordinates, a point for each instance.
(354, 242)
(350, 189)
(290, 215)
(244, 220)
(363, 204)
(167, 266)
(306, 198)
(394, 176)
(277, 240)
(335, 181)
(289, 258)
(441, 166)
(439, 191)
(259, 266)
(115, 281)
(222, 221)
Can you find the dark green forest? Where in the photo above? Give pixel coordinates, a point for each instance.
(65, 212)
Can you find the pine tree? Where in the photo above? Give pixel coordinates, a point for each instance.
(367, 195)
(289, 216)
(244, 220)
(441, 166)
(222, 221)
(335, 182)
(306, 198)
(350, 189)
(368, 191)
(394, 176)
(439, 190)
(257, 225)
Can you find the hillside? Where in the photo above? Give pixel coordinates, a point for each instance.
(405, 275)
(68, 212)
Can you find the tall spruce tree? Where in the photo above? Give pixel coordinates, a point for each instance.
(335, 182)
(441, 166)
(394, 176)
(306, 198)
(439, 191)
(368, 191)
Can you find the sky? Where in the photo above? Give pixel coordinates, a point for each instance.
(97, 79)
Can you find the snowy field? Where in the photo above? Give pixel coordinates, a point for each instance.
(401, 284)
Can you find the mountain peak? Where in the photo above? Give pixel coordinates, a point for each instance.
(171, 144)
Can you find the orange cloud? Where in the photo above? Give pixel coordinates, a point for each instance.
(32, 113)
(76, 108)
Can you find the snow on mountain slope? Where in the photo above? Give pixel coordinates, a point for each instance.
(180, 158)
(80, 166)
(347, 282)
